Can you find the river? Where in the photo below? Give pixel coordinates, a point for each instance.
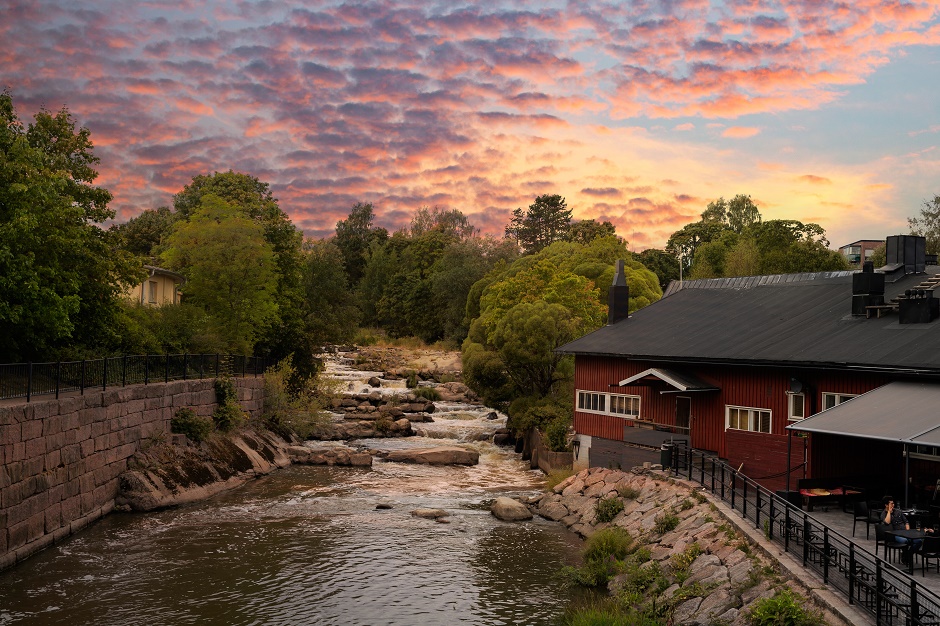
(307, 545)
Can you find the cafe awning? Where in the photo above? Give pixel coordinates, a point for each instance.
(679, 382)
(901, 412)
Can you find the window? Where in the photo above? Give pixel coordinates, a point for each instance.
(609, 404)
(745, 418)
(153, 291)
(628, 406)
(832, 399)
(796, 407)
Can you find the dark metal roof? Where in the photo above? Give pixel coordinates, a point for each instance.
(792, 319)
(872, 415)
(677, 380)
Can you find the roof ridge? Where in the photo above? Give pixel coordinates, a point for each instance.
(747, 282)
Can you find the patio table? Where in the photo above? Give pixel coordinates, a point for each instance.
(909, 535)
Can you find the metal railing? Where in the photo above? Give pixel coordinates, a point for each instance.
(867, 581)
(26, 380)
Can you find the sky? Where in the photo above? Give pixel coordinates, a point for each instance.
(639, 113)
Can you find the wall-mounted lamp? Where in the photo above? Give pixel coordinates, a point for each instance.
(576, 448)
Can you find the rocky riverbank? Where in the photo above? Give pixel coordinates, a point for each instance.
(707, 570)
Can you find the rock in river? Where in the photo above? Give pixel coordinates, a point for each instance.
(510, 510)
(436, 456)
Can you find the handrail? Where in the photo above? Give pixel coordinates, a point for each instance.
(866, 580)
(26, 380)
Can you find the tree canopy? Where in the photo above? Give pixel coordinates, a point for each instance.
(548, 219)
(928, 224)
(61, 275)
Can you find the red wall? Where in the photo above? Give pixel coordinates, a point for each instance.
(739, 385)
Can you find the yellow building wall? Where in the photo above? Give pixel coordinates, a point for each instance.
(156, 290)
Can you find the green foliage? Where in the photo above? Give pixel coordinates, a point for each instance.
(295, 404)
(355, 236)
(680, 563)
(547, 220)
(685, 505)
(195, 427)
(556, 433)
(229, 270)
(428, 393)
(528, 412)
(607, 613)
(879, 256)
(144, 234)
(330, 311)
(228, 414)
(557, 476)
(782, 609)
(665, 522)
(927, 225)
(586, 231)
(608, 543)
(661, 263)
(61, 275)
(607, 509)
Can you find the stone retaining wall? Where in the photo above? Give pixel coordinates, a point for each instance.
(62, 458)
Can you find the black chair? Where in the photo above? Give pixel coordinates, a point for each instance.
(888, 543)
(929, 550)
(863, 514)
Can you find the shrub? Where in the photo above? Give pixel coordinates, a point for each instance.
(228, 417)
(383, 425)
(556, 433)
(607, 509)
(428, 393)
(607, 613)
(294, 404)
(614, 542)
(629, 493)
(195, 427)
(666, 521)
(681, 563)
(412, 381)
(685, 505)
(782, 608)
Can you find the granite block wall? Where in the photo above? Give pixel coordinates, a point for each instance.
(61, 459)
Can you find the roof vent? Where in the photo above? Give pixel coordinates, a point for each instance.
(618, 297)
(868, 289)
(918, 306)
(904, 254)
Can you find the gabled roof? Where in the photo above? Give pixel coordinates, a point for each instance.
(677, 380)
(791, 319)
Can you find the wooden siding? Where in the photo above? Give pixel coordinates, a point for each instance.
(739, 385)
(763, 457)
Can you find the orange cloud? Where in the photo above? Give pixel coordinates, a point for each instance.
(740, 132)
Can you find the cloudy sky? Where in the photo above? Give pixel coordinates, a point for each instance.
(637, 112)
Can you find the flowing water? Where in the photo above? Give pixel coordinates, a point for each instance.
(307, 545)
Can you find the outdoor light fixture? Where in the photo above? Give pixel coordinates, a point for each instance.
(576, 447)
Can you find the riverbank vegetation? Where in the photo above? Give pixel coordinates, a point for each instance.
(254, 285)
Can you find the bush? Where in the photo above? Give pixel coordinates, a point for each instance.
(294, 405)
(782, 609)
(557, 476)
(195, 427)
(608, 543)
(428, 393)
(412, 381)
(556, 433)
(629, 493)
(666, 521)
(607, 509)
(228, 414)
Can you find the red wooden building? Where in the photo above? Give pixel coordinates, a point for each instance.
(732, 363)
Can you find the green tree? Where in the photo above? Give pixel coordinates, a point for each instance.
(547, 220)
(661, 263)
(586, 231)
(229, 269)
(737, 214)
(928, 224)
(331, 314)
(452, 223)
(144, 234)
(743, 259)
(879, 256)
(355, 237)
(57, 267)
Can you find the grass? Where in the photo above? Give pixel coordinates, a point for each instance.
(557, 476)
(629, 493)
(665, 522)
(607, 509)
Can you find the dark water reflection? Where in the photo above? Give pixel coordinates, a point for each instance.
(307, 546)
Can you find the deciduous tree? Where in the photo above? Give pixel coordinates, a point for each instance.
(928, 224)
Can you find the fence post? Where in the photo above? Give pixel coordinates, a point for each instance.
(713, 475)
(185, 364)
(29, 381)
(146, 368)
(722, 481)
(744, 498)
(104, 375)
(805, 539)
(770, 517)
(852, 572)
(124, 371)
(58, 376)
(166, 369)
(786, 527)
(915, 606)
(690, 463)
(757, 509)
(202, 363)
(82, 382)
(878, 582)
(733, 488)
(216, 364)
(826, 554)
(244, 364)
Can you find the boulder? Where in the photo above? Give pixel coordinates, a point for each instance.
(436, 456)
(510, 510)
(429, 513)
(375, 381)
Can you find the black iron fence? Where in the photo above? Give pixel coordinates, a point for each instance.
(867, 581)
(26, 380)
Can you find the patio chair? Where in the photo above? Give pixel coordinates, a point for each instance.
(883, 540)
(863, 514)
(929, 550)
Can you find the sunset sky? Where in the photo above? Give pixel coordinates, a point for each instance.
(639, 113)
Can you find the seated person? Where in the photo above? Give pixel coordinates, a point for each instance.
(897, 520)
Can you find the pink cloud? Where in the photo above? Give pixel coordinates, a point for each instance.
(740, 132)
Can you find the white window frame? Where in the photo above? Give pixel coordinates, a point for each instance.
(838, 397)
(753, 418)
(927, 453)
(791, 413)
(608, 404)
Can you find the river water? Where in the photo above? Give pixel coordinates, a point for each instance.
(307, 545)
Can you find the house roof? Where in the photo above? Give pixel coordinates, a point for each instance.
(868, 415)
(159, 271)
(677, 380)
(789, 319)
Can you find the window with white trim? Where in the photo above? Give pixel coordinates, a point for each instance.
(619, 405)
(747, 418)
(627, 406)
(796, 407)
(830, 400)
